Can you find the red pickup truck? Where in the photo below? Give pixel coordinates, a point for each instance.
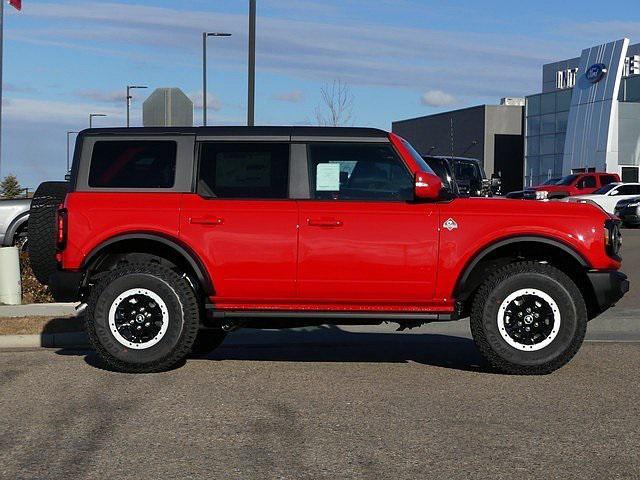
(568, 186)
(174, 237)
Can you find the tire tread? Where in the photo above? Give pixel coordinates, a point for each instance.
(477, 315)
(191, 317)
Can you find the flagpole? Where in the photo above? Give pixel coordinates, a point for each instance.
(1, 91)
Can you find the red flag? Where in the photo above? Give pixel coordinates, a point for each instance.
(17, 4)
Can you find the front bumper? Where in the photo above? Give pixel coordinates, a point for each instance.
(609, 287)
(65, 286)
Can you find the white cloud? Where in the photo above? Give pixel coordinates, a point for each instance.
(53, 111)
(11, 87)
(102, 96)
(362, 54)
(437, 98)
(213, 101)
(293, 97)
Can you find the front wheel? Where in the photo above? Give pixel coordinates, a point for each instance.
(528, 318)
(142, 318)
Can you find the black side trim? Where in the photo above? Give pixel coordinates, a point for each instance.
(609, 287)
(460, 286)
(328, 315)
(180, 248)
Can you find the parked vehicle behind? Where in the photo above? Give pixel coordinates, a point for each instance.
(608, 196)
(570, 185)
(175, 236)
(465, 176)
(14, 215)
(628, 210)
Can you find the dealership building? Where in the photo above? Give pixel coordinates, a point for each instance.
(586, 118)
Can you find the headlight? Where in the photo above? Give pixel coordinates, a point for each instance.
(613, 238)
(542, 195)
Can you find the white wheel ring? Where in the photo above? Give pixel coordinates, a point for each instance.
(556, 320)
(112, 318)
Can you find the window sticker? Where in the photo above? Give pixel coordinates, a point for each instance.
(328, 177)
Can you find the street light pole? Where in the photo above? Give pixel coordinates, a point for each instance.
(69, 149)
(92, 116)
(252, 64)
(129, 97)
(206, 35)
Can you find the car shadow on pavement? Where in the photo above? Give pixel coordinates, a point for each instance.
(329, 344)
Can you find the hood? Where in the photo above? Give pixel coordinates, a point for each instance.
(549, 188)
(627, 201)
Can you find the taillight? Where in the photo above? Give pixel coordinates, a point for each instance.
(61, 237)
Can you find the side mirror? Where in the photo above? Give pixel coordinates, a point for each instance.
(427, 186)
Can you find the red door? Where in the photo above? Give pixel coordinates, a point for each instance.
(249, 247)
(242, 224)
(362, 239)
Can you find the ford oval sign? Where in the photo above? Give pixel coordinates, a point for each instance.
(596, 72)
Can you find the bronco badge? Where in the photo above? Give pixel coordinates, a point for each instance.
(450, 224)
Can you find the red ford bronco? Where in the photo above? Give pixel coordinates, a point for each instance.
(175, 236)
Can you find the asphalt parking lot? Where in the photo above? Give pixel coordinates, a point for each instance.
(393, 409)
(331, 403)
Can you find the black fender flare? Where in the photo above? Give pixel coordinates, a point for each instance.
(14, 226)
(463, 279)
(173, 243)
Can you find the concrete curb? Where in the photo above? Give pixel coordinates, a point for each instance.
(47, 340)
(39, 310)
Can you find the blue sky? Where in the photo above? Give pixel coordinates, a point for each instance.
(401, 58)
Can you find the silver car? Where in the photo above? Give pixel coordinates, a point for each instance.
(14, 215)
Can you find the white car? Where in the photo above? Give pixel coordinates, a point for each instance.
(609, 195)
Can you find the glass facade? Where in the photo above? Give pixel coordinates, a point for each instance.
(547, 115)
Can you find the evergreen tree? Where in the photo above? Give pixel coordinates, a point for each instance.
(10, 187)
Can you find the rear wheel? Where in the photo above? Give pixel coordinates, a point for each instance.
(142, 318)
(528, 318)
(42, 228)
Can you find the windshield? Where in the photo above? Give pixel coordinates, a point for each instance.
(417, 157)
(605, 189)
(468, 176)
(440, 167)
(552, 181)
(568, 180)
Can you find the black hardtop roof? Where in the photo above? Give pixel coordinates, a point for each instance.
(244, 131)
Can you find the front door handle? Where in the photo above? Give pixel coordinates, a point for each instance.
(207, 221)
(328, 222)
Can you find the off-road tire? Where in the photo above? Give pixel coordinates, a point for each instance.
(42, 228)
(504, 282)
(207, 341)
(183, 318)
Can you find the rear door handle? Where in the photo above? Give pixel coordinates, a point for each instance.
(207, 221)
(329, 222)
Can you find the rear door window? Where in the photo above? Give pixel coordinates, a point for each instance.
(133, 164)
(244, 170)
(345, 171)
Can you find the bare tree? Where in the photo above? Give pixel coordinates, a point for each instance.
(336, 105)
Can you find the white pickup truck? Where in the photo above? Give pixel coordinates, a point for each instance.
(14, 216)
